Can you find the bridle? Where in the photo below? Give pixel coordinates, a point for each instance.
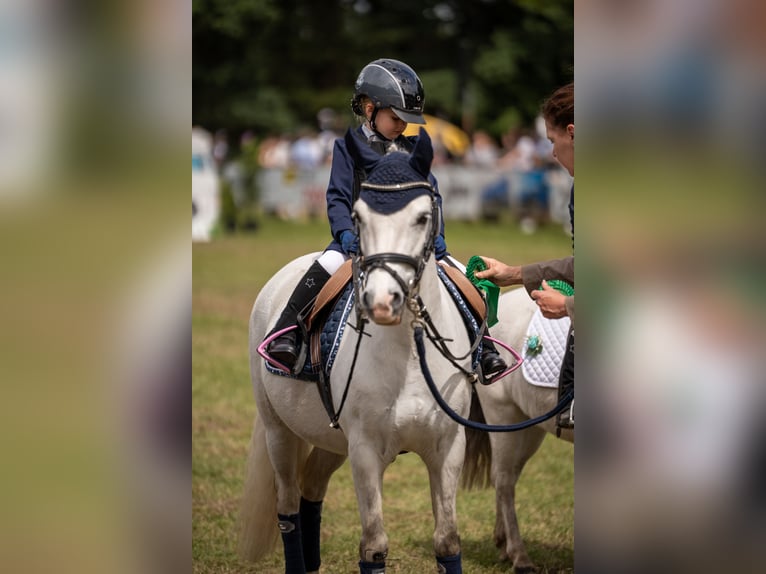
(363, 264)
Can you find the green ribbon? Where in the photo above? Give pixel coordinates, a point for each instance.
(491, 290)
(561, 286)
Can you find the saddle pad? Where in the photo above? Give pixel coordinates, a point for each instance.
(468, 290)
(328, 339)
(471, 324)
(542, 368)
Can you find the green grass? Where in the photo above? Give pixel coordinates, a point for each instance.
(227, 275)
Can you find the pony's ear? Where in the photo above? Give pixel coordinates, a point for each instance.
(423, 154)
(362, 154)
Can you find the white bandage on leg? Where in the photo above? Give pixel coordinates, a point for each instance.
(332, 260)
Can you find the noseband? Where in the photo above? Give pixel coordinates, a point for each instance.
(363, 264)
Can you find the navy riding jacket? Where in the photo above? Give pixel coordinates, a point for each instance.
(340, 190)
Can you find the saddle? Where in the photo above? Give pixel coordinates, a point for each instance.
(325, 322)
(342, 276)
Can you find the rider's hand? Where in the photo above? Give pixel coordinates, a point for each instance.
(349, 242)
(440, 247)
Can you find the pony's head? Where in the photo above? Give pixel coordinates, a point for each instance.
(397, 219)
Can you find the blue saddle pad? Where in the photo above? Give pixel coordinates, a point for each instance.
(471, 324)
(329, 339)
(337, 320)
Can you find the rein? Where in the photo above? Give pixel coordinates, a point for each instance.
(335, 415)
(422, 316)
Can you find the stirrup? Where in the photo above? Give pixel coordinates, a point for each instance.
(488, 378)
(262, 349)
(565, 419)
(518, 360)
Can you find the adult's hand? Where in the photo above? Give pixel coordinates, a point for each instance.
(552, 303)
(499, 273)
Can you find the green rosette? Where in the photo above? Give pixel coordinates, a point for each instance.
(561, 286)
(491, 290)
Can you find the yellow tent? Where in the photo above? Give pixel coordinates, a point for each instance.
(452, 137)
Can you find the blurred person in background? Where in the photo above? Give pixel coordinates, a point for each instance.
(274, 152)
(306, 151)
(558, 112)
(388, 95)
(220, 148)
(520, 150)
(483, 151)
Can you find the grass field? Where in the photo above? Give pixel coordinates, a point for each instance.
(227, 275)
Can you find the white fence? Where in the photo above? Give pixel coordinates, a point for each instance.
(468, 193)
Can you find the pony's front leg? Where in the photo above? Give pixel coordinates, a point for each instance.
(444, 473)
(367, 467)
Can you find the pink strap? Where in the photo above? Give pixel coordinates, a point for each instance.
(508, 348)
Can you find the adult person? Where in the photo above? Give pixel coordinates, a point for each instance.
(558, 112)
(388, 95)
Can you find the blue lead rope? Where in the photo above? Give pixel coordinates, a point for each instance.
(562, 404)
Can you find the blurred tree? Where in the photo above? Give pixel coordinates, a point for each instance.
(270, 65)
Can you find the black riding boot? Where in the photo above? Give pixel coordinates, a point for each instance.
(492, 364)
(285, 349)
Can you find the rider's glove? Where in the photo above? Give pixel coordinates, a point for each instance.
(349, 242)
(440, 247)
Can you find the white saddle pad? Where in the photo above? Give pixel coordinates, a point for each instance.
(542, 368)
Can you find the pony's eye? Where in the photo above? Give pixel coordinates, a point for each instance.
(423, 219)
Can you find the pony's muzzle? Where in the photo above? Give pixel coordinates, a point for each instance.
(383, 308)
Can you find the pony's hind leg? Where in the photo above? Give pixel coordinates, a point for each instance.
(320, 466)
(510, 453)
(288, 454)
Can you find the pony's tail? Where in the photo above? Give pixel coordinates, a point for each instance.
(258, 531)
(478, 452)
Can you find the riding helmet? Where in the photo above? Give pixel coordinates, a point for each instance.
(391, 84)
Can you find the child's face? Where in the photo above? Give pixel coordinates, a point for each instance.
(387, 123)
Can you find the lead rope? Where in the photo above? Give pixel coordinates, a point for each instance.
(562, 404)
